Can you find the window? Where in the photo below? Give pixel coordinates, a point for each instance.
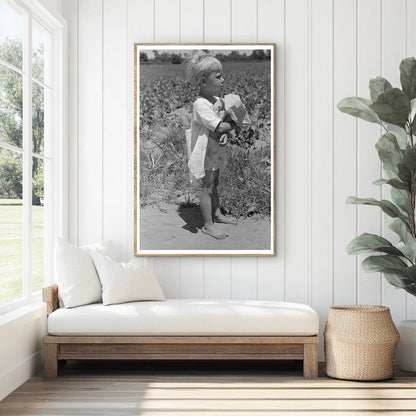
(31, 142)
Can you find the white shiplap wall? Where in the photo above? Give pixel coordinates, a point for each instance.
(326, 50)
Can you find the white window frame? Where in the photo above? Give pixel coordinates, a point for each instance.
(58, 211)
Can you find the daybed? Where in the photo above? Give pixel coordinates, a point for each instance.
(181, 329)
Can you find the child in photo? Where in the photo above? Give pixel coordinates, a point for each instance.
(207, 138)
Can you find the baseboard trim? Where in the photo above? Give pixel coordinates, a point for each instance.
(10, 380)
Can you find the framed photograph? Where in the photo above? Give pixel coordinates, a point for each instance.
(204, 117)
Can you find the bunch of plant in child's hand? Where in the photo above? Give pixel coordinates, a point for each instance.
(231, 110)
(397, 152)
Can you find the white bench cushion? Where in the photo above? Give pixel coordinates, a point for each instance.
(187, 317)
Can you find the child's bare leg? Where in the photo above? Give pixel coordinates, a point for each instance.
(215, 197)
(216, 210)
(206, 206)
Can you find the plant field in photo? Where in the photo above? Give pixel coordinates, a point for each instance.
(165, 111)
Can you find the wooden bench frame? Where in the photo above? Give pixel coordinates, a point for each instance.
(58, 349)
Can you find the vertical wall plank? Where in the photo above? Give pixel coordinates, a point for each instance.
(296, 152)
(141, 21)
(244, 29)
(143, 12)
(217, 21)
(192, 278)
(217, 278)
(217, 29)
(244, 278)
(192, 31)
(271, 29)
(411, 28)
(393, 51)
(90, 183)
(369, 168)
(345, 152)
(115, 52)
(167, 271)
(70, 12)
(167, 29)
(192, 21)
(244, 21)
(321, 34)
(167, 14)
(411, 51)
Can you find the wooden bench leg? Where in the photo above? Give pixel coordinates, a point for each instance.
(50, 360)
(310, 360)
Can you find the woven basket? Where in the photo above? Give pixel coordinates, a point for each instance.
(360, 341)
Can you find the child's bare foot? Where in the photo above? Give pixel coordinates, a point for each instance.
(214, 232)
(225, 219)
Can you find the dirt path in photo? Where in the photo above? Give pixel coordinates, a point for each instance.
(171, 227)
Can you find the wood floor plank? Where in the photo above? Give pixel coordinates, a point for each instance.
(122, 412)
(93, 390)
(272, 404)
(280, 413)
(155, 393)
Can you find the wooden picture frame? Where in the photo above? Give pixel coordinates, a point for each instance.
(167, 216)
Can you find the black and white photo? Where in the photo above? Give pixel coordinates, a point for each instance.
(204, 149)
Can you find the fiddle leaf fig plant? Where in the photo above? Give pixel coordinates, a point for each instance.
(394, 109)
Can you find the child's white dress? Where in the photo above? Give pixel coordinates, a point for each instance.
(204, 149)
(199, 142)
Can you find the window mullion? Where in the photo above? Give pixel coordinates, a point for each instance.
(27, 157)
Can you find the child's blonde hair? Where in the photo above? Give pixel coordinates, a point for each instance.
(199, 64)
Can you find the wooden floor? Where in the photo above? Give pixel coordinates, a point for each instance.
(192, 389)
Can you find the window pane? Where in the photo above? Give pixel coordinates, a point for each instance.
(11, 34)
(38, 230)
(38, 118)
(11, 107)
(41, 46)
(11, 226)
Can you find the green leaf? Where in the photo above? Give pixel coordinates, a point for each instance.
(389, 151)
(411, 289)
(410, 272)
(397, 280)
(400, 228)
(400, 198)
(380, 182)
(410, 158)
(396, 271)
(389, 208)
(392, 107)
(408, 249)
(390, 173)
(408, 77)
(412, 109)
(378, 86)
(412, 116)
(366, 243)
(404, 173)
(398, 184)
(359, 107)
(395, 183)
(381, 263)
(401, 139)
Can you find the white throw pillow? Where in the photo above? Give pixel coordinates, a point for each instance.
(126, 282)
(75, 273)
(103, 247)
